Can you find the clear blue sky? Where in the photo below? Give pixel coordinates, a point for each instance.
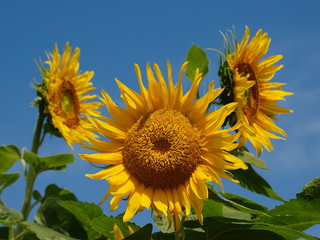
(113, 35)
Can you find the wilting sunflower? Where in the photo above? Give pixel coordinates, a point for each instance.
(65, 92)
(252, 90)
(163, 147)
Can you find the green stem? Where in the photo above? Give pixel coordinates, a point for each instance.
(179, 234)
(11, 233)
(31, 174)
(37, 133)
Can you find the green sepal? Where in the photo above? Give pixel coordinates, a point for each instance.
(226, 96)
(197, 59)
(9, 154)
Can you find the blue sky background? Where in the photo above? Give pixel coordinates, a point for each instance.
(113, 35)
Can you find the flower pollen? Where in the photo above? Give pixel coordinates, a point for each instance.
(162, 149)
(252, 94)
(68, 104)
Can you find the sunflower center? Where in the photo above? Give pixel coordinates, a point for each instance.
(252, 94)
(68, 104)
(162, 149)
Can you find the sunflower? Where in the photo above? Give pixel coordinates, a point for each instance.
(256, 96)
(65, 95)
(163, 147)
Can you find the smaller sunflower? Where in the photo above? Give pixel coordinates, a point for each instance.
(65, 96)
(252, 90)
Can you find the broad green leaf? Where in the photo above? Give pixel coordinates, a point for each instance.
(212, 208)
(84, 213)
(249, 158)
(53, 190)
(54, 162)
(9, 154)
(9, 216)
(189, 235)
(197, 59)
(311, 190)
(51, 215)
(220, 228)
(252, 181)
(297, 214)
(162, 222)
(287, 233)
(142, 234)
(44, 233)
(104, 225)
(217, 209)
(7, 179)
(244, 201)
(213, 195)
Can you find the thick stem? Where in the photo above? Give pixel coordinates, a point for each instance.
(36, 142)
(179, 234)
(11, 233)
(31, 174)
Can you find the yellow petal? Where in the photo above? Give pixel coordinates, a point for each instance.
(112, 158)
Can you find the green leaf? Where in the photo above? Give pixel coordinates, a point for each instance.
(9, 154)
(249, 158)
(9, 216)
(297, 214)
(53, 190)
(189, 235)
(244, 201)
(54, 162)
(197, 59)
(104, 225)
(84, 213)
(287, 233)
(252, 181)
(311, 191)
(51, 215)
(220, 228)
(7, 179)
(213, 196)
(44, 233)
(36, 195)
(142, 234)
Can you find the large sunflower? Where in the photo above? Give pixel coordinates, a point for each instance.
(163, 147)
(65, 95)
(252, 89)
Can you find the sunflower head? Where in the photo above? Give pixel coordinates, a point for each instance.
(246, 79)
(63, 96)
(163, 147)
